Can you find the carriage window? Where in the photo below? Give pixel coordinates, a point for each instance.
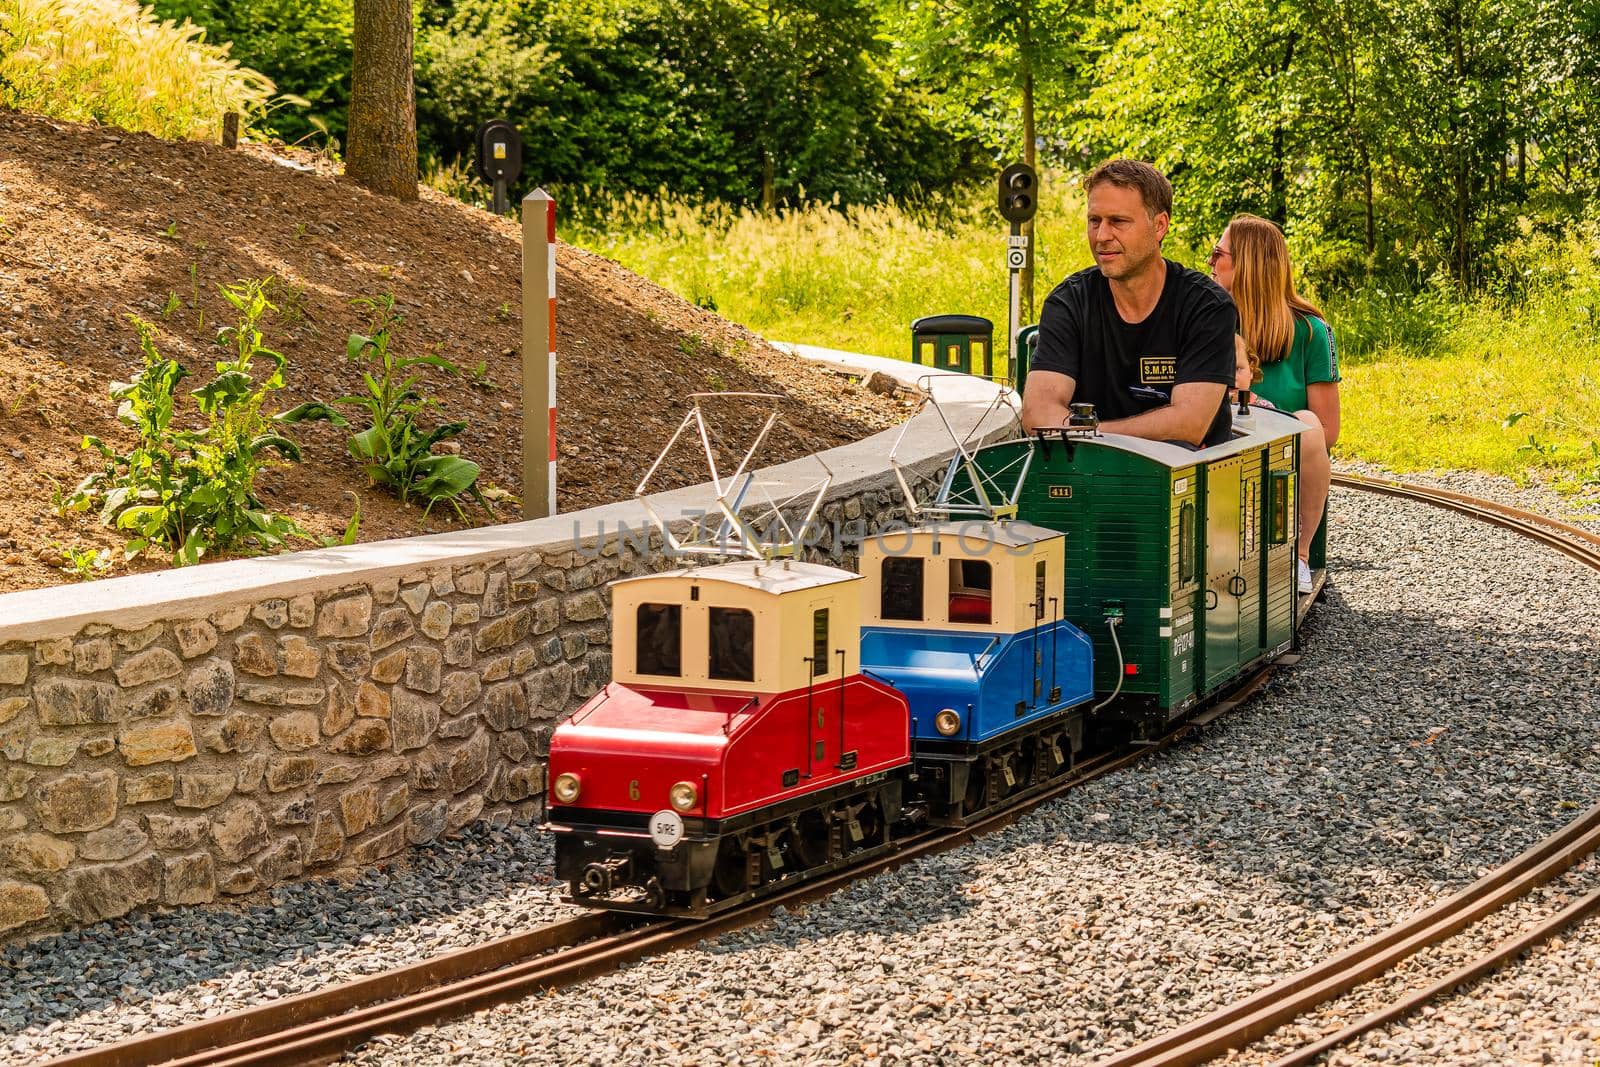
(733, 645)
(1279, 505)
(902, 588)
(1250, 519)
(659, 641)
(1038, 591)
(970, 582)
(819, 641)
(1186, 543)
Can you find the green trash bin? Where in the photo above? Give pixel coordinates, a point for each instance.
(1027, 348)
(962, 343)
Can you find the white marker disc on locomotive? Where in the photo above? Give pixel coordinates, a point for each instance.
(666, 828)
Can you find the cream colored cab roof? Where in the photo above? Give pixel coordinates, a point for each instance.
(777, 577)
(978, 534)
(796, 609)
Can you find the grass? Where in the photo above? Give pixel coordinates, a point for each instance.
(113, 62)
(1505, 383)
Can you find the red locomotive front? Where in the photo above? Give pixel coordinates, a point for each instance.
(739, 742)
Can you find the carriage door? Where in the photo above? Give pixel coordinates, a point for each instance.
(1251, 558)
(1223, 544)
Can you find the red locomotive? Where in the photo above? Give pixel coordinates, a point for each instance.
(739, 741)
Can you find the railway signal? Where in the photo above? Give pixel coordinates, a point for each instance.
(1019, 201)
(498, 160)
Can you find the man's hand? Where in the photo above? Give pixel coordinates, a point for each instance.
(1194, 406)
(1045, 399)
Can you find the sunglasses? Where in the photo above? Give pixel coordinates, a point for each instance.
(1217, 253)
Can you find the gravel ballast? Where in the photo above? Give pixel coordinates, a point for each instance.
(1443, 721)
(148, 971)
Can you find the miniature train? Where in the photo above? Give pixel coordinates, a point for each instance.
(772, 719)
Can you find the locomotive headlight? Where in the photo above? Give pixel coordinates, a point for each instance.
(566, 788)
(947, 722)
(684, 796)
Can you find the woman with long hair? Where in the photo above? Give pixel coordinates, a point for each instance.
(1295, 347)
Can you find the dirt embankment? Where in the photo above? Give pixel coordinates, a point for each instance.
(96, 224)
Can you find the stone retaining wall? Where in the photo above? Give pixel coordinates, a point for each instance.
(183, 748)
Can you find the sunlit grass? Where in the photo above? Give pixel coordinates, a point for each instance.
(1429, 381)
(113, 62)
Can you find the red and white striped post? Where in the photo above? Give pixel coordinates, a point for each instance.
(538, 354)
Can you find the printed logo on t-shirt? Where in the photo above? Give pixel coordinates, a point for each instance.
(1158, 370)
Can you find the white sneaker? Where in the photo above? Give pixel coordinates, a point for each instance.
(1303, 582)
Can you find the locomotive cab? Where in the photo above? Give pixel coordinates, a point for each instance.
(965, 618)
(736, 723)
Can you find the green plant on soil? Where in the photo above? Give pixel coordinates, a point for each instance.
(192, 492)
(84, 564)
(393, 449)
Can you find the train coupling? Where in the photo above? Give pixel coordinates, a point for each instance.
(599, 876)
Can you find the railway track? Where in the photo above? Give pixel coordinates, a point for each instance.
(319, 1027)
(1238, 1025)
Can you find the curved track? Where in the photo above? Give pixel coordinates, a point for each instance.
(1237, 1025)
(319, 1027)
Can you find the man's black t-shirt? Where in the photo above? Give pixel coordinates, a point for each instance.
(1125, 369)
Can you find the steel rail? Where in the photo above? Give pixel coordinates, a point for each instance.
(1237, 1025)
(320, 1026)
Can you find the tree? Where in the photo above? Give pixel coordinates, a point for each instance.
(382, 146)
(1003, 63)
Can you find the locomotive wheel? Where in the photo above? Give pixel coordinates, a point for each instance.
(730, 876)
(808, 836)
(870, 820)
(977, 787)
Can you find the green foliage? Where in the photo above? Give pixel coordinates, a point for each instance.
(111, 61)
(393, 449)
(192, 492)
(303, 45)
(83, 563)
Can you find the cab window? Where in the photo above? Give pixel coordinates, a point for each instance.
(971, 582)
(733, 647)
(658, 645)
(901, 595)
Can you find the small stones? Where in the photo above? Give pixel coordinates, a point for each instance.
(195, 637)
(414, 720)
(390, 668)
(209, 688)
(415, 596)
(295, 732)
(372, 702)
(148, 788)
(37, 854)
(436, 620)
(139, 640)
(203, 791)
(327, 839)
(301, 659)
(63, 702)
(393, 625)
(239, 831)
(77, 803)
(290, 772)
(116, 842)
(169, 833)
(91, 656)
(273, 614)
(109, 890)
(190, 879)
(13, 669)
(366, 737)
(151, 666)
(302, 611)
(163, 742)
(255, 654)
(21, 904)
(423, 667)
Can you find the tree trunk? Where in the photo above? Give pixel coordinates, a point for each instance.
(1030, 156)
(1278, 195)
(381, 148)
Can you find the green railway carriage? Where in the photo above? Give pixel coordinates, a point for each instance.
(1180, 562)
